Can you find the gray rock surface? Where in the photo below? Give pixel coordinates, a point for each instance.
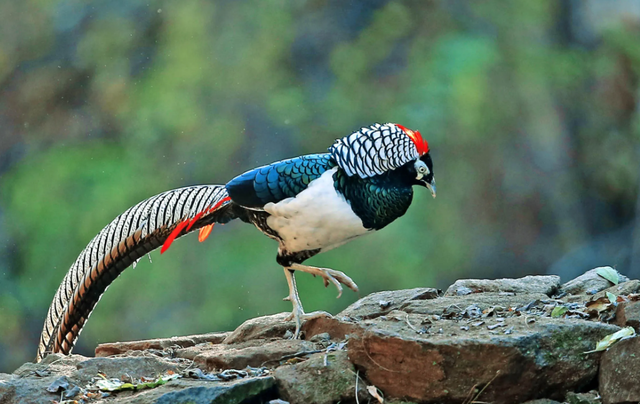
(546, 285)
(590, 283)
(265, 327)
(191, 392)
(591, 397)
(379, 303)
(115, 348)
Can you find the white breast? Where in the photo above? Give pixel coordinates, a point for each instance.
(318, 217)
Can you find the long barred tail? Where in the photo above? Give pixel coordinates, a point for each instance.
(141, 229)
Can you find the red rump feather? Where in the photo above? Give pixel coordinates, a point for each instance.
(204, 232)
(173, 235)
(416, 138)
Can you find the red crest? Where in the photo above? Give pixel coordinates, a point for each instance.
(421, 145)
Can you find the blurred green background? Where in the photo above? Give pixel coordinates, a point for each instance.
(530, 109)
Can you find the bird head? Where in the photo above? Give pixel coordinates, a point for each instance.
(422, 166)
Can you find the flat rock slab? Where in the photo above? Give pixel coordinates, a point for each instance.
(140, 366)
(377, 304)
(590, 282)
(546, 285)
(437, 350)
(451, 305)
(184, 391)
(265, 327)
(115, 348)
(443, 366)
(256, 354)
(30, 383)
(620, 372)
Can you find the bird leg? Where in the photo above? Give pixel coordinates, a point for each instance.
(298, 314)
(328, 275)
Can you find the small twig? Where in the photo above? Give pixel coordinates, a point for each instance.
(526, 320)
(453, 305)
(190, 366)
(468, 399)
(295, 355)
(357, 377)
(414, 328)
(474, 401)
(52, 363)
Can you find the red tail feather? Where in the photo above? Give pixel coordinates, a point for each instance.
(173, 235)
(204, 231)
(195, 219)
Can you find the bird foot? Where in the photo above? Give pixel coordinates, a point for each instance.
(329, 276)
(299, 316)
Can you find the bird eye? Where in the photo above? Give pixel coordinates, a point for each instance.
(421, 169)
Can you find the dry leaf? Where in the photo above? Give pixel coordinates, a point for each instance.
(599, 305)
(606, 342)
(373, 390)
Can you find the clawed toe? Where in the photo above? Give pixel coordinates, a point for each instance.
(337, 278)
(300, 317)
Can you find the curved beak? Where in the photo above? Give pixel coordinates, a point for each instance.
(432, 186)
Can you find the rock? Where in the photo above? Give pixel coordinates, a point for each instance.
(538, 361)
(29, 383)
(258, 353)
(147, 366)
(186, 391)
(324, 378)
(451, 307)
(547, 285)
(377, 304)
(518, 356)
(28, 387)
(428, 303)
(590, 283)
(272, 326)
(620, 372)
(628, 315)
(621, 289)
(114, 348)
(58, 385)
(591, 397)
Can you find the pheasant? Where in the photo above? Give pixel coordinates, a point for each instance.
(309, 204)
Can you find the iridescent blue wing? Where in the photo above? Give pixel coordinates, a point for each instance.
(277, 181)
(377, 149)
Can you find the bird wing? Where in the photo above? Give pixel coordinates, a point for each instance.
(142, 228)
(277, 181)
(377, 149)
